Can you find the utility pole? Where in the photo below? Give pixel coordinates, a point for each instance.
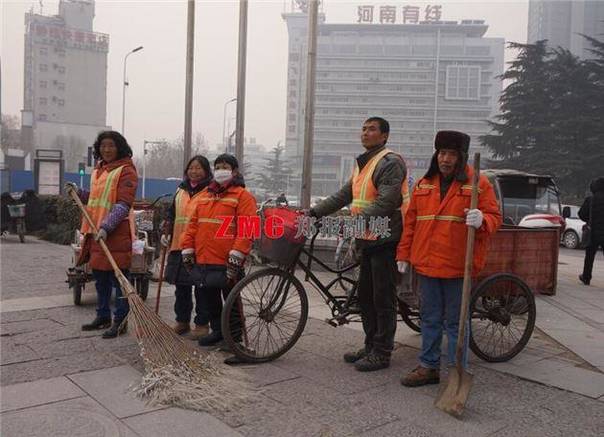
(189, 81)
(241, 69)
(309, 112)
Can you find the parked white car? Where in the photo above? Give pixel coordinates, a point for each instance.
(571, 237)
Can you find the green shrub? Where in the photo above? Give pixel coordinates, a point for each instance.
(62, 217)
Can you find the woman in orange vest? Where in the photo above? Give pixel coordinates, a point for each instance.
(113, 189)
(197, 177)
(211, 242)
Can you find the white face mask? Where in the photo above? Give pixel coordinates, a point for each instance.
(221, 176)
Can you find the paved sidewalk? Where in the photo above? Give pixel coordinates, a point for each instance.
(54, 377)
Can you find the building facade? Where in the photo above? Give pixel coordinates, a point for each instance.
(421, 77)
(65, 87)
(562, 23)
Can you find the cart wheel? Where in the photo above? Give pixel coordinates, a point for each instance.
(77, 293)
(503, 316)
(142, 287)
(409, 316)
(273, 307)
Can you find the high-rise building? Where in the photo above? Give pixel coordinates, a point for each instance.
(65, 87)
(562, 23)
(421, 77)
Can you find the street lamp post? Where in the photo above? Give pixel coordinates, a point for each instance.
(145, 142)
(234, 99)
(125, 84)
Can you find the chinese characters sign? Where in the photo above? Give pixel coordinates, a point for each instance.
(95, 40)
(407, 14)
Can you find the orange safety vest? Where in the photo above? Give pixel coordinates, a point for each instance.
(183, 210)
(103, 195)
(364, 191)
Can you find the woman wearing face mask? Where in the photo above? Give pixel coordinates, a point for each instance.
(197, 177)
(219, 257)
(113, 189)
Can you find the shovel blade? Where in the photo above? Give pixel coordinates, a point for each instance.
(452, 399)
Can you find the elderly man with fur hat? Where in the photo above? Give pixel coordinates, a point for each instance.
(434, 243)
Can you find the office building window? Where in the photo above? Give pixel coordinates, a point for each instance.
(61, 86)
(463, 82)
(61, 70)
(42, 117)
(43, 51)
(43, 84)
(43, 67)
(43, 100)
(61, 102)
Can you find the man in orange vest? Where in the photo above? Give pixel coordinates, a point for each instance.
(434, 243)
(376, 190)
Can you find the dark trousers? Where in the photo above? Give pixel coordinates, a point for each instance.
(214, 300)
(105, 281)
(377, 298)
(183, 305)
(590, 256)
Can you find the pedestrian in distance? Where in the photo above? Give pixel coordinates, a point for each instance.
(109, 202)
(434, 243)
(592, 213)
(378, 189)
(216, 259)
(197, 177)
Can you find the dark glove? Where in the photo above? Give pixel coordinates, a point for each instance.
(188, 258)
(235, 265)
(101, 235)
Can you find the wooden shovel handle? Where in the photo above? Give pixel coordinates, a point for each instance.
(467, 275)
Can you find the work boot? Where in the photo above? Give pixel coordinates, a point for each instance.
(199, 331)
(211, 339)
(585, 281)
(118, 328)
(421, 376)
(372, 362)
(97, 323)
(353, 357)
(181, 328)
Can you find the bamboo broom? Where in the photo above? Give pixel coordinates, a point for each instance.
(175, 373)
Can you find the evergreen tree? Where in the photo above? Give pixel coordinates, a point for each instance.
(275, 173)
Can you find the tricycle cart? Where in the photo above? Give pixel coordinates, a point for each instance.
(140, 268)
(272, 303)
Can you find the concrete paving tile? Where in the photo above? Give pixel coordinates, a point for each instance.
(111, 388)
(66, 347)
(13, 353)
(81, 417)
(418, 408)
(400, 428)
(558, 374)
(178, 422)
(282, 422)
(44, 391)
(59, 366)
(328, 407)
(14, 328)
(267, 373)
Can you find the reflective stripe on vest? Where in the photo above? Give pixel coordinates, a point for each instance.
(446, 218)
(364, 192)
(103, 195)
(182, 212)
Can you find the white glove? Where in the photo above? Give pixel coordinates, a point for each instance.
(101, 235)
(165, 240)
(402, 266)
(234, 264)
(474, 218)
(188, 258)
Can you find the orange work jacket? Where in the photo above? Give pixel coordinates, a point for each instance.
(184, 206)
(435, 231)
(210, 214)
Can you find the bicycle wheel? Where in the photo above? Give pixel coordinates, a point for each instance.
(264, 315)
(503, 316)
(410, 316)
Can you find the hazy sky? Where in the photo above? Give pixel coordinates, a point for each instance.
(155, 100)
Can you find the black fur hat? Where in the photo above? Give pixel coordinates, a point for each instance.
(597, 185)
(451, 139)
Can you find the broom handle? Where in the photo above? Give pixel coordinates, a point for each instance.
(467, 275)
(116, 269)
(161, 277)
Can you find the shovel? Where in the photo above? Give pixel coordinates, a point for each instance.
(452, 399)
